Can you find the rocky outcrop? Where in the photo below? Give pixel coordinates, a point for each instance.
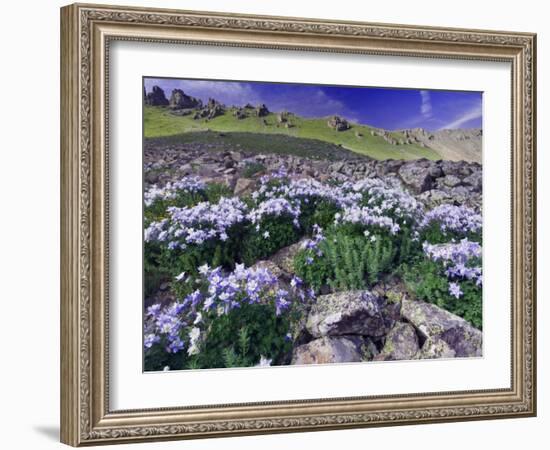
(434, 324)
(211, 110)
(338, 123)
(349, 312)
(261, 110)
(327, 350)
(156, 97)
(179, 100)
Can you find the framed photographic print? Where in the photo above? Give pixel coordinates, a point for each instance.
(275, 224)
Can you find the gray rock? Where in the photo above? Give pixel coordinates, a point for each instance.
(450, 180)
(349, 312)
(433, 322)
(244, 186)
(152, 177)
(156, 97)
(179, 100)
(284, 258)
(261, 110)
(338, 123)
(401, 343)
(327, 350)
(417, 175)
(434, 348)
(460, 194)
(475, 180)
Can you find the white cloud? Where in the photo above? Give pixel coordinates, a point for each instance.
(426, 105)
(474, 113)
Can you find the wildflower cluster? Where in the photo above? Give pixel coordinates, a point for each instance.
(186, 325)
(367, 217)
(458, 260)
(197, 224)
(274, 207)
(171, 190)
(450, 218)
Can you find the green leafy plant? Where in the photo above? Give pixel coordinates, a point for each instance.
(253, 168)
(272, 234)
(427, 281)
(242, 337)
(344, 261)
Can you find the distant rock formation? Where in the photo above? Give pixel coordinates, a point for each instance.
(180, 100)
(456, 145)
(156, 97)
(338, 123)
(212, 109)
(261, 110)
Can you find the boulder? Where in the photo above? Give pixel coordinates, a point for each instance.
(460, 194)
(450, 180)
(244, 186)
(475, 180)
(401, 343)
(435, 348)
(434, 198)
(327, 350)
(433, 322)
(418, 175)
(348, 312)
(284, 258)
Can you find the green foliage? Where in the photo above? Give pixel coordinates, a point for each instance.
(158, 210)
(346, 261)
(155, 273)
(317, 211)
(241, 337)
(253, 168)
(435, 235)
(255, 246)
(427, 281)
(215, 191)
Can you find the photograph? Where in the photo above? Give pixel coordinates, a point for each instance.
(293, 224)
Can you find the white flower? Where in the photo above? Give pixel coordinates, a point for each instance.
(180, 276)
(264, 362)
(166, 368)
(266, 234)
(194, 336)
(373, 238)
(198, 319)
(203, 270)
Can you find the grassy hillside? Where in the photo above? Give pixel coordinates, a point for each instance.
(159, 122)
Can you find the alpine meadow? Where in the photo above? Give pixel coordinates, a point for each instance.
(294, 224)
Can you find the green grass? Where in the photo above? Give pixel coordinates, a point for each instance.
(256, 143)
(159, 122)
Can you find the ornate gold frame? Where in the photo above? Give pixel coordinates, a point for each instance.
(86, 31)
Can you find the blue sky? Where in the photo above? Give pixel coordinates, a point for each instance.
(387, 108)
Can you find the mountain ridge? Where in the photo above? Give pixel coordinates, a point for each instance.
(185, 114)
